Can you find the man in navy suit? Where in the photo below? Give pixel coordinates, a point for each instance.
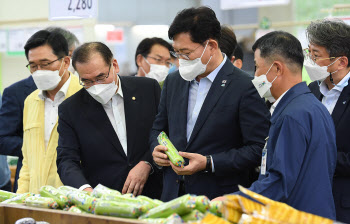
(11, 120)
(328, 63)
(210, 111)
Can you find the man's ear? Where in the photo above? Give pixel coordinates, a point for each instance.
(139, 59)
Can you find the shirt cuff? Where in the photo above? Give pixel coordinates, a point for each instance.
(84, 187)
(152, 170)
(212, 165)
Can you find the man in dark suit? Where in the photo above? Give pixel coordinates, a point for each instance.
(104, 128)
(327, 62)
(210, 111)
(11, 120)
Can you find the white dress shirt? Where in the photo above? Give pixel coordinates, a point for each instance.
(51, 109)
(330, 97)
(274, 105)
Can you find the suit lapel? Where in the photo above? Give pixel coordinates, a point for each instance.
(95, 113)
(182, 111)
(221, 82)
(341, 105)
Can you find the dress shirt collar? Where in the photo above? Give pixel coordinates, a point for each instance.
(43, 94)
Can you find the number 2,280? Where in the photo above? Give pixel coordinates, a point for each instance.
(81, 5)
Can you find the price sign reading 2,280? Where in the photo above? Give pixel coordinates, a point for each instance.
(79, 5)
(72, 9)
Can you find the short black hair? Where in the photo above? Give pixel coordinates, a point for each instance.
(72, 40)
(228, 41)
(334, 35)
(144, 47)
(83, 53)
(201, 23)
(280, 44)
(238, 53)
(55, 40)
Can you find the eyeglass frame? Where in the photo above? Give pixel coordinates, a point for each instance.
(158, 60)
(28, 66)
(185, 56)
(314, 59)
(100, 80)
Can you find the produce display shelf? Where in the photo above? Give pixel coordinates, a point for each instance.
(11, 213)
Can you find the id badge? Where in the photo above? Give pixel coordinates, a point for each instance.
(264, 159)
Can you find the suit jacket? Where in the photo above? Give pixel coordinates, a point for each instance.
(39, 163)
(341, 181)
(11, 120)
(89, 151)
(301, 154)
(231, 127)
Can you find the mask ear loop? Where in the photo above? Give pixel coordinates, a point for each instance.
(204, 51)
(268, 72)
(60, 70)
(331, 73)
(147, 63)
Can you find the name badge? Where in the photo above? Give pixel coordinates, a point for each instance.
(264, 159)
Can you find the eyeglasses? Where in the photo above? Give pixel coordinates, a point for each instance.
(44, 65)
(161, 61)
(307, 54)
(184, 55)
(99, 79)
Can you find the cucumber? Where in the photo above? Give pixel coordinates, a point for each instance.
(172, 152)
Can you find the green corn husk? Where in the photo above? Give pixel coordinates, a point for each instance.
(100, 190)
(174, 218)
(18, 199)
(117, 209)
(51, 192)
(194, 215)
(202, 203)
(144, 205)
(149, 200)
(172, 152)
(182, 205)
(215, 207)
(41, 202)
(66, 190)
(4, 195)
(76, 209)
(158, 202)
(83, 201)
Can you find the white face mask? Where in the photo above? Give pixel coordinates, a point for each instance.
(190, 69)
(316, 72)
(157, 72)
(47, 79)
(102, 93)
(263, 86)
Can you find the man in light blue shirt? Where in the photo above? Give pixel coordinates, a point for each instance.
(5, 174)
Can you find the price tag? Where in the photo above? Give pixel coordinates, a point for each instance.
(72, 9)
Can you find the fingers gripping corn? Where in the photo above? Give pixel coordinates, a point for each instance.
(172, 152)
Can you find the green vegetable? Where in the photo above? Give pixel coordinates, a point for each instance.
(193, 216)
(118, 209)
(202, 203)
(144, 205)
(158, 202)
(41, 202)
(100, 190)
(174, 218)
(18, 199)
(76, 209)
(172, 152)
(4, 195)
(215, 207)
(83, 201)
(149, 200)
(182, 205)
(51, 192)
(65, 190)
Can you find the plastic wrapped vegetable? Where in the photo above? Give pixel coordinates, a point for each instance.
(65, 190)
(118, 209)
(202, 203)
(18, 199)
(182, 205)
(195, 215)
(215, 207)
(158, 202)
(100, 190)
(41, 202)
(172, 219)
(4, 195)
(172, 152)
(76, 209)
(51, 192)
(144, 205)
(149, 200)
(83, 201)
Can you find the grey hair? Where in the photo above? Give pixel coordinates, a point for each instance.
(72, 40)
(332, 34)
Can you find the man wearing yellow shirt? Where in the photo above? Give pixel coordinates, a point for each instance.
(47, 54)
